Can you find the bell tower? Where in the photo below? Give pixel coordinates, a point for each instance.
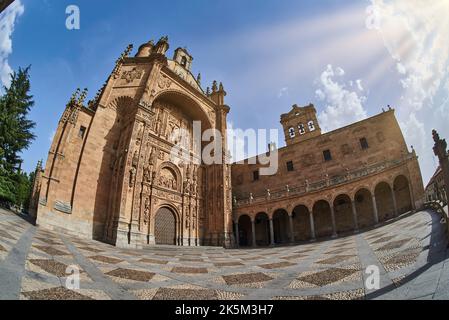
(183, 58)
(300, 124)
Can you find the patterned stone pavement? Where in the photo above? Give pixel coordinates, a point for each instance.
(410, 253)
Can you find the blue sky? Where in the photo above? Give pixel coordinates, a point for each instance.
(349, 58)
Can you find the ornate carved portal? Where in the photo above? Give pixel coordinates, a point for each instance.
(153, 177)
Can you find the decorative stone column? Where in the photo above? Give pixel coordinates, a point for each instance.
(334, 225)
(312, 226)
(237, 236)
(376, 214)
(440, 150)
(395, 204)
(354, 215)
(271, 233)
(253, 232)
(290, 221)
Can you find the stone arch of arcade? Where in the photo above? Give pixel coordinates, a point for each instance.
(303, 224)
(323, 219)
(345, 215)
(364, 205)
(244, 231)
(385, 201)
(262, 229)
(281, 227)
(403, 194)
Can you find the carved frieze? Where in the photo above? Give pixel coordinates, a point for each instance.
(131, 75)
(164, 82)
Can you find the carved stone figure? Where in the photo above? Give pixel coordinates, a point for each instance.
(146, 212)
(132, 176)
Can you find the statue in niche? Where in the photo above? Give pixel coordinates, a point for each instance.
(147, 176)
(132, 176)
(148, 172)
(133, 170)
(187, 186)
(157, 128)
(146, 212)
(135, 160)
(194, 187)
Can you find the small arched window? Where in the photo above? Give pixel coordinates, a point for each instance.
(301, 128)
(184, 61)
(311, 125)
(291, 132)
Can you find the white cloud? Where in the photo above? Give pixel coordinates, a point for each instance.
(342, 106)
(236, 143)
(283, 92)
(414, 130)
(51, 136)
(415, 33)
(7, 21)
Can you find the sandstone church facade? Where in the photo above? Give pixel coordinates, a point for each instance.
(109, 173)
(111, 176)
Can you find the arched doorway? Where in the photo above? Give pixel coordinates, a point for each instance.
(364, 208)
(402, 193)
(301, 223)
(384, 201)
(281, 226)
(344, 219)
(262, 225)
(322, 218)
(245, 231)
(165, 227)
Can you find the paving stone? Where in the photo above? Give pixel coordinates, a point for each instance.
(59, 293)
(106, 259)
(246, 278)
(228, 264)
(336, 259)
(90, 249)
(189, 270)
(130, 274)
(185, 294)
(153, 261)
(277, 265)
(51, 251)
(383, 239)
(394, 245)
(6, 235)
(51, 266)
(327, 277)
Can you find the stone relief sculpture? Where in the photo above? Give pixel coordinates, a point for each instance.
(146, 212)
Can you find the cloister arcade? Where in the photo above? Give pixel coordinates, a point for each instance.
(327, 216)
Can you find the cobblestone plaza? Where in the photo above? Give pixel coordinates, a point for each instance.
(409, 251)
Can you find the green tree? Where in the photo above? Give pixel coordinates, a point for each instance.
(15, 135)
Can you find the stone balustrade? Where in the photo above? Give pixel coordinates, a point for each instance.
(306, 187)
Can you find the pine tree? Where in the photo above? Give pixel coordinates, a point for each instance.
(15, 134)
